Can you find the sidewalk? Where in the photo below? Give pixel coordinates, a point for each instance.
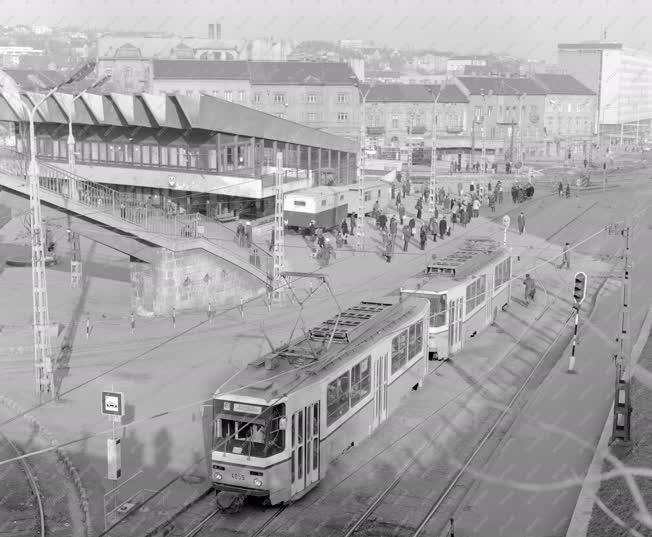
(532, 453)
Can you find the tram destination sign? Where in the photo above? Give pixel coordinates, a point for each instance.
(113, 403)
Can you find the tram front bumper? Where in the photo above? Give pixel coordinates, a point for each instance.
(225, 487)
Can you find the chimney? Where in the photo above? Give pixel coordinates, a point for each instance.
(211, 31)
(218, 31)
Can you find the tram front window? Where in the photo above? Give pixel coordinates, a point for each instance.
(257, 435)
(437, 308)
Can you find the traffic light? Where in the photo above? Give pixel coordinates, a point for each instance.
(579, 291)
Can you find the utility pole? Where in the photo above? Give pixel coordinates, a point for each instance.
(360, 223)
(484, 133)
(433, 153)
(279, 232)
(621, 431)
(409, 145)
(75, 261)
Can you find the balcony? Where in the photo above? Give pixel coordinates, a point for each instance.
(375, 131)
(418, 129)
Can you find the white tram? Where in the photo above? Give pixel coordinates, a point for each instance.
(329, 205)
(278, 425)
(465, 289)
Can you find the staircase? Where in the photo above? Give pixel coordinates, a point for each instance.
(124, 214)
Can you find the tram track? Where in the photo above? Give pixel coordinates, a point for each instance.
(33, 486)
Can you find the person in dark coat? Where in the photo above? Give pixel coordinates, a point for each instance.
(389, 249)
(560, 189)
(567, 191)
(423, 236)
(321, 240)
(398, 200)
(462, 216)
(393, 228)
(521, 223)
(382, 221)
(492, 202)
(419, 208)
(407, 233)
(412, 223)
(514, 193)
(345, 231)
(434, 226)
(442, 227)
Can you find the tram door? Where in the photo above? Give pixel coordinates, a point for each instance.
(455, 319)
(304, 464)
(380, 389)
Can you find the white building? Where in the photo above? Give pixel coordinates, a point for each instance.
(456, 64)
(622, 80)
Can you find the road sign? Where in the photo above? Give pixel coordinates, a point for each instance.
(579, 290)
(113, 404)
(506, 220)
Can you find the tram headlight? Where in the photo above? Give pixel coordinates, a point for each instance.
(218, 476)
(258, 482)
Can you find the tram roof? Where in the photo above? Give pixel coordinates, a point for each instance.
(308, 359)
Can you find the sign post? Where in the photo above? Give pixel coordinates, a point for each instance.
(579, 294)
(506, 222)
(113, 406)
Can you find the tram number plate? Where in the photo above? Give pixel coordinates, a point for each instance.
(239, 477)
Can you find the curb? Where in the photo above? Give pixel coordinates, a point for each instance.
(579, 524)
(61, 455)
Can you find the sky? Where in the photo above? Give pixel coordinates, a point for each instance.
(524, 28)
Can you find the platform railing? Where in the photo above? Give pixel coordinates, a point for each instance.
(168, 221)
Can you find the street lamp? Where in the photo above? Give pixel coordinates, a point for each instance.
(71, 138)
(361, 163)
(433, 155)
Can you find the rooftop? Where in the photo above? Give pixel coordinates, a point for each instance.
(410, 93)
(593, 45)
(260, 73)
(203, 112)
(562, 84)
(476, 85)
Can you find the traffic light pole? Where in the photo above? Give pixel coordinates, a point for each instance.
(579, 294)
(621, 432)
(571, 363)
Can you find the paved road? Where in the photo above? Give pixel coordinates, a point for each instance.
(578, 403)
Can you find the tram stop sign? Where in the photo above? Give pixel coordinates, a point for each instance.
(113, 403)
(506, 220)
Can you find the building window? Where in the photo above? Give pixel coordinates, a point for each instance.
(342, 98)
(312, 116)
(342, 116)
(502, 273)
(399, 351)
(478, 112)
(311, 98)
(394, 121)
(299, 203)
(337, 399)
(475, 292)
(437, 310)
(188, 92)
(228, 95)
(258, 98)
(570, 108)
(490, 111)
(360, 381)
(241, 96)
(279, 98)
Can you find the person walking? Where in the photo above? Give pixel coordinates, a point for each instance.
(398, 200)
(209, 312)
(568, 192)
(514, 193)
(419, 208)
(565, 260)
(88, 327)
(423, 236)
(407, 233)
(389, 249)
(249, 234)
(530, 289)
(401, 213)
(521, 223)
(174, 317)
(476, 207)
(345, 231)
(434, 226)
(393, 228)
(462, 216)
(413, 224)
(133, 323)
(442, 227)
(560, 190)
(123, 210)
(492, 202)
(499, 188)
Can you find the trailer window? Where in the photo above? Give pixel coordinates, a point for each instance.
(412, 341)
(360, 383)
(337, 400)
(323, 203)
(399, 351)
(502, 273)
(475, 292)
(416, 340)
(299, 203)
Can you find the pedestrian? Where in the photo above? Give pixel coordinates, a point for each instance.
(419, 207)
(398, 200)
(240, 234)
(133, 323)
(345, 231)
(462, 216)
(174, 317)
(453, 220)
(88, 327)
(568, 192)
(492, 202)
(499, 187)
(209, 312)
(311, 229)
(401, 213)
(393, 228)
(530, 289)
(382, 221)
(561, 190)
(442, 227)
(407, 233)
(423, 236)
(434, 226)
(123, 210)
(389, 249)
(514, 193)
(393, 190)
(413, 224)
(249, 234)
(321, 240)
(476, 207)
(565, 260)
(521, 223)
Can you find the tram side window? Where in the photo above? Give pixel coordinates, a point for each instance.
(360, 383)
(502, 273)
(412, 341)
(417, 347)
(337, 400)
(299, 203)
(475, 292)
(399, 351)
